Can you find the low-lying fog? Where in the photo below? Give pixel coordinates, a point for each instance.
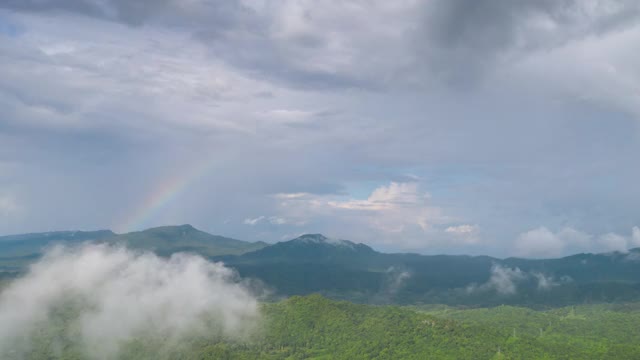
(118, 294)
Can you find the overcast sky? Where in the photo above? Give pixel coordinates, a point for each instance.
(498, 127)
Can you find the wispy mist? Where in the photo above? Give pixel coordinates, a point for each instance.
(120, 294)
(503, 280)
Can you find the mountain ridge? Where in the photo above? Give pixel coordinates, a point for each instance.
(342, 269)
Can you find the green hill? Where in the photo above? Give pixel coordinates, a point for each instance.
(314, 327)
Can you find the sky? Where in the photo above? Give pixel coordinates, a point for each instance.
(500, 127)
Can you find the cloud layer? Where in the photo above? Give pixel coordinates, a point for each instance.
(510, 115)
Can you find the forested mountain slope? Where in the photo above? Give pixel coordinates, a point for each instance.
(314, 327)
(343, 269)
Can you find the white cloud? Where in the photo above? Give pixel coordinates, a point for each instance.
(395, 280)
(613, 242)
(400, 212)
(273, 220)
(542, 242)
(277, 220)
(545, 282)
(286, 196)
(93, 80)
(465, 234)
(119, 294)
(503, 280)
(253, 221)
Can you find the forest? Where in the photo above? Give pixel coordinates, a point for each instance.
(314, 327)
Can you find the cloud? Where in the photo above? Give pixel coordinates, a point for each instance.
(336, 44)
(466, 234)
(544, 282)
(273, 220)
(120, 295)
(394, 280)
(277, 220)
(319, 99)
(464, 40)
(254, 221)
(284, 41)
(613, 242)
(542, 242)
(503, 280)
(92, 84)
(400, 211)
(547, 282)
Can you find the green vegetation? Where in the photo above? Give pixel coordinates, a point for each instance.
(314, 327)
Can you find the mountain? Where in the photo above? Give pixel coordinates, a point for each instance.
(310, 263)
(342, 269)
(18, 250)
(345, 270)
(166, 240)
(311, 248)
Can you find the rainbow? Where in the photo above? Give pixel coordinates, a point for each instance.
(162, 194)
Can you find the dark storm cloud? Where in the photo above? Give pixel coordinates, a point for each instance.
(456, 40)
(464, 38)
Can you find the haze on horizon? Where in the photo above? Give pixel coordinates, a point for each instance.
(446, 126)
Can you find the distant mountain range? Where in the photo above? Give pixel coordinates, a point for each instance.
(343, 269)
(17, 250)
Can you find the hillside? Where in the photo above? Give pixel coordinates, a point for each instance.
(314, 327)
